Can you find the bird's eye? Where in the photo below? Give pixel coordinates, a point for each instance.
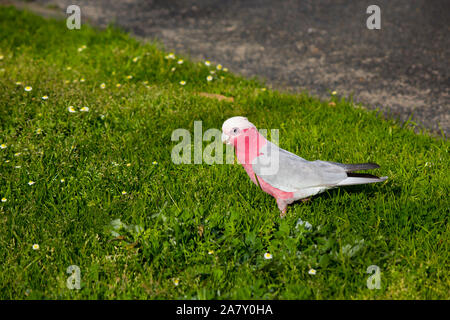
(235, 130)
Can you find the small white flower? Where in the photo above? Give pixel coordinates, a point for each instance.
(28, 88)
(84, 109)
(4, 199)
(210, 252)
(182, 82)
(170, 56)
(181, 61)
(71, 109)
(35, 246)
(62, 180)
(176, 281)
(154, 162)
(3, 146)
(312, 272)
(219, 67)
(124, 192)
(135, 59)
(209, 78)
(38, 131)
(267, 256)
(334, 93)
(45, 98)
(207, 63)
(30, 183)
(103, 86)
(129, 77)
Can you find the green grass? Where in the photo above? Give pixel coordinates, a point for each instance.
(173, 215)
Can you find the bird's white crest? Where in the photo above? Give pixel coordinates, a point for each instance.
(237, 122)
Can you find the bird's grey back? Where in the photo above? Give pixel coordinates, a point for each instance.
(293, 172)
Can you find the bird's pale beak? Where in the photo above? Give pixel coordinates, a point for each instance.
(225, 138)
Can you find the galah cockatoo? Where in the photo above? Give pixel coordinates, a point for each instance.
(284, 175)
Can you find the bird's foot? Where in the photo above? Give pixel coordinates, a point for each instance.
(305, 200)
(282, 205)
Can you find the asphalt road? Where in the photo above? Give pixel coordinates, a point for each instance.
(314, 45)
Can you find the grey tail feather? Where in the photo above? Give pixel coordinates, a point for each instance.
(362, 175)
(359, 166)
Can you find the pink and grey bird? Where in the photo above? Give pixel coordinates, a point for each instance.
(284, 175)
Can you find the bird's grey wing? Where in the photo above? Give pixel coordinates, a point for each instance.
(289, 172)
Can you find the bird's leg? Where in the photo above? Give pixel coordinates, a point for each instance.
(282, 205)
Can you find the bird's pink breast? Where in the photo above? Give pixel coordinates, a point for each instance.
(253, 142)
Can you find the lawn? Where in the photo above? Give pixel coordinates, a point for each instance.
(86, 120)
